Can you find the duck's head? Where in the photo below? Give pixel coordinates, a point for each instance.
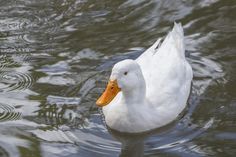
(126, 77)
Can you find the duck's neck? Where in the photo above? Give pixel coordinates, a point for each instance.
(137, 95)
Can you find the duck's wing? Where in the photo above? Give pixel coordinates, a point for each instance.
(167, 74)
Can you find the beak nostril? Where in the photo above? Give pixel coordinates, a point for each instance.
(108, 95)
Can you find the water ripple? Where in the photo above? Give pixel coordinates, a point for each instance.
(10, 81)
(5, 61)
(8, 113)
(91, 138)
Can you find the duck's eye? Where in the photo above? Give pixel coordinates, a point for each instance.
(125, 73)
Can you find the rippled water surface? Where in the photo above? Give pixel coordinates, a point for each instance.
(55, 59)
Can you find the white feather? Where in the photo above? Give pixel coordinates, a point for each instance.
(167, 82)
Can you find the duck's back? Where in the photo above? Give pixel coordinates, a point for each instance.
(167, 74)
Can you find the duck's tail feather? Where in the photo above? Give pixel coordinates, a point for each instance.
(174, 42)
(178, 36)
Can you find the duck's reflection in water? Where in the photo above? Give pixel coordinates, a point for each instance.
(133, 143)
(132, 146)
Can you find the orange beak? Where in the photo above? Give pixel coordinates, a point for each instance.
(108, 95)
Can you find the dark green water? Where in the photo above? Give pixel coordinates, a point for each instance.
(55, 59)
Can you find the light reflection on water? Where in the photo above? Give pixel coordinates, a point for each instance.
(56, 56)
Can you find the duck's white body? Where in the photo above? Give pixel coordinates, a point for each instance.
(162, 90)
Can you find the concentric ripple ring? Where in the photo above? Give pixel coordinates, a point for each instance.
(10, 81)
(8, 113)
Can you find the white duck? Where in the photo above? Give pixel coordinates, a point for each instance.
(151, 91)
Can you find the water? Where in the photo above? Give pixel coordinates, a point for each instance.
(55, 59)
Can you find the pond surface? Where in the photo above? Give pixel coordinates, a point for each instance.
(55, 59)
